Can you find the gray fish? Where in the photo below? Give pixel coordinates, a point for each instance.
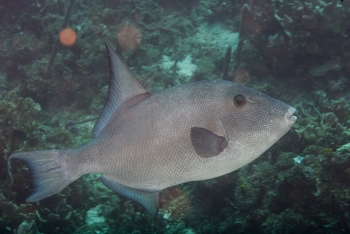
(146, 142)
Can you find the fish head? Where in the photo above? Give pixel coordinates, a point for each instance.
(254, 121)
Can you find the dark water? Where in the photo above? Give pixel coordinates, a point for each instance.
(53, 88)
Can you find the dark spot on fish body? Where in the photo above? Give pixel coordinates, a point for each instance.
(222, 144)
(206, 143)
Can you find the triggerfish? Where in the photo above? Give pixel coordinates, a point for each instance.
(145, 142)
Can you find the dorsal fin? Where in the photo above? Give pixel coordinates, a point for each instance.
(122, 86)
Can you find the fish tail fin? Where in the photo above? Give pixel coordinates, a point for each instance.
(48, 170)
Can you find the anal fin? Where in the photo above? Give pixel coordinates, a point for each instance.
(149, 200)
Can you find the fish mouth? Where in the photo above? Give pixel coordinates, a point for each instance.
(289, 115)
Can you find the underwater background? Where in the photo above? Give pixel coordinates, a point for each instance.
(53, 86)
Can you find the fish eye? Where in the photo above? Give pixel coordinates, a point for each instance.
(239, 100)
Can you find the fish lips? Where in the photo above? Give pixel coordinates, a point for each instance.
(289, 117)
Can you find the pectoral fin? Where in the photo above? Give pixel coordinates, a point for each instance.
(206, 143)
(149, 200)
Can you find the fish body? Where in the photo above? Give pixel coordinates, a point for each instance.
(144, 143)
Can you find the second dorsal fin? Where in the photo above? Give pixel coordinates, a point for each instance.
(122, 86)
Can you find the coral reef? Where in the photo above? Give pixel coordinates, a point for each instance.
(294, 50)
